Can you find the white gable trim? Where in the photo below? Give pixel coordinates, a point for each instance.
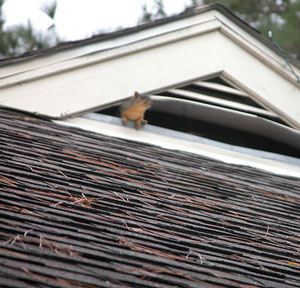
(106, 51)
(207, 150)
(192, 48)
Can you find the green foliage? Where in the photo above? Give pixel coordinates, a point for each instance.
(50, 9)
(282, 17)
(23, 38)
(157, 12)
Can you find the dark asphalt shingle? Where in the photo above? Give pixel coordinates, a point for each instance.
(80, 209)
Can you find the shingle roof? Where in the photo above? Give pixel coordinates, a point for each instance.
(80, 209)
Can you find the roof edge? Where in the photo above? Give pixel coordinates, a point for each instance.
(130, 30)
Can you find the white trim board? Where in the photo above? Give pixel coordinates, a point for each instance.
(224, 155)
(83, 78)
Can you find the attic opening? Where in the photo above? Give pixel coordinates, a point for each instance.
(215, 110)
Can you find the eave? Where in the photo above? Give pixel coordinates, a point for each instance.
(186, 48)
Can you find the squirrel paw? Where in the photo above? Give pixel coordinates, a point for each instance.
(124, 120)
(138, 125)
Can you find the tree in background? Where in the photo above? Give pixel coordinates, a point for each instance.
(158, 11)
(22, 38)
(282, 17)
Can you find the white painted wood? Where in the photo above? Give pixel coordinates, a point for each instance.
(261, 81)
(222, 102)
(221, 87)
(220, 154)
(83, 78)
(94, 85)
(65, 56)
(259, 49)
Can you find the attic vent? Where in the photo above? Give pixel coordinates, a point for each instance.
(222, 96)
(215, 110)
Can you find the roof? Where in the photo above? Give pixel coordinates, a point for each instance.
(82, 209)
(111, 35)
(202, 43)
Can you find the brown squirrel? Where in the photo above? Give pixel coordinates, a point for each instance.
(134, 109)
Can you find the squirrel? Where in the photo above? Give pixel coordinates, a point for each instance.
(134, 109)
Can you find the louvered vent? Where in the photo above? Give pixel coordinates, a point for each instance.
(215, 110)
(218, 93)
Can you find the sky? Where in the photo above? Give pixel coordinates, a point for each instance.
(78, 19)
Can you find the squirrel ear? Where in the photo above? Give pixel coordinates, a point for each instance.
(137, 95)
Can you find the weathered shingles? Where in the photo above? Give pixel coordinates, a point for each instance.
(87, 210)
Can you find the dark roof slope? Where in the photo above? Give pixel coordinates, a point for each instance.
(79, 209)
(127, 31)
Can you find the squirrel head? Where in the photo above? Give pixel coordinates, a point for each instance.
(145, 98)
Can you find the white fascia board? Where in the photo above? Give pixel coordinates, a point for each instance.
(107, 54)
(65, 56)
(261, 81)
(265, 76)
(114, 74)
(224, 155)
(81, 55)
(188, 49)
(256, 47)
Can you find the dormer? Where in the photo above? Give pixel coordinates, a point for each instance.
(211, 77)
